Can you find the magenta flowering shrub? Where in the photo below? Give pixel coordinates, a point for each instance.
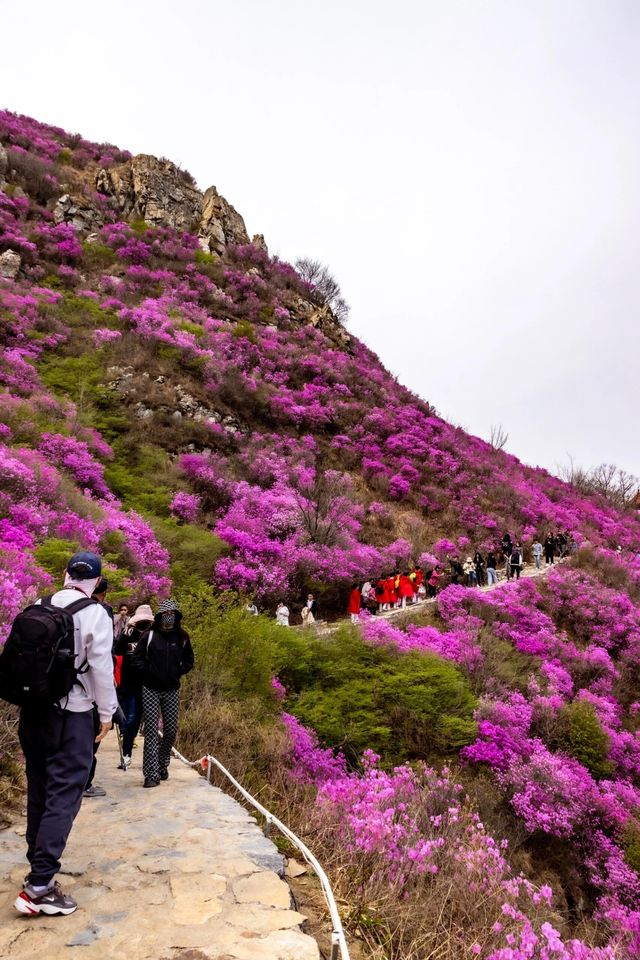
(312, 463)
(74, 456)
(409, 832)
(185, 506)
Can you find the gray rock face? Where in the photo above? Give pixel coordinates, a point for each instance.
(159, 193)
(10, 264)
(220, 223)
(4, 162)
(78, 211)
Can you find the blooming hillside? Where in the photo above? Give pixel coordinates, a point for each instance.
(178, 399)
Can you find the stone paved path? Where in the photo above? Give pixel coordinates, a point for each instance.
(180, 872)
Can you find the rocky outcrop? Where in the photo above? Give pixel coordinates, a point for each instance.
(79, 211)
(322, 317)
(220, 223)
(161, 194)
(153, 190)
(9, 264)
(4, 163)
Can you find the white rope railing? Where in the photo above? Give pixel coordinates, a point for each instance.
(338, 939)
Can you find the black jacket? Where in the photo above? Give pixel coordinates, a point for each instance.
(125, 646)
(161, 659)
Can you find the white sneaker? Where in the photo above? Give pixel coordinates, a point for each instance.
(124, 763)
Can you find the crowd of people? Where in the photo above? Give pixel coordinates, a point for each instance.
(396, 590)
(115, 669)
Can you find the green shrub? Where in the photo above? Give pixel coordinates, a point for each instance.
(201, 256)
(71, 376)
(193, 328)
(97, 256)
(244, 328)
(53, 555)
(64, 155)
(193, 550)
(631, 844)
(234, 651)
(140, 476)
(404, 706)
(582, 737)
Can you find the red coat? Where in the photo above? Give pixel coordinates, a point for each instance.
(354, 601)
(390, 590)
(419, 578)
(405, 588)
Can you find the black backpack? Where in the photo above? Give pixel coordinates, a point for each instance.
(37, 664)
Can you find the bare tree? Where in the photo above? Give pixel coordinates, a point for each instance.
(321, 505)
(499, 436)
(616, 485)
(325, 286)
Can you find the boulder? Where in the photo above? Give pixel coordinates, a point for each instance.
(10, 264)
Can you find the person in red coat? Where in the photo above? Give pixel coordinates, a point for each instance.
(405, 588)
(390, 584)
(354, 603)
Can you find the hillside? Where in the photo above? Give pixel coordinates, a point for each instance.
(178, 399)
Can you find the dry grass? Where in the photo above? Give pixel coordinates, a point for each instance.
(11, 772)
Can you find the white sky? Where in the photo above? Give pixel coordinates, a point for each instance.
(468, 170)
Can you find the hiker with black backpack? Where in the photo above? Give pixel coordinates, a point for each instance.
(56, 664)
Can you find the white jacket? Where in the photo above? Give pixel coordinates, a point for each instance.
(94, 640)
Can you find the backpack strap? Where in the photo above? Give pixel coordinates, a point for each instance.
(74, 608)
(79, 605)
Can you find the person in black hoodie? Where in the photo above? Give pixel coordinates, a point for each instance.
(162, 657)
(130, 686)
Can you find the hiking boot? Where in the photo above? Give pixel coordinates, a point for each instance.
(53, 901)
(164, 774)
(124, 763)
(94, 791)
(151, 783)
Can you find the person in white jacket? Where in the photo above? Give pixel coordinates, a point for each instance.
(57, 742)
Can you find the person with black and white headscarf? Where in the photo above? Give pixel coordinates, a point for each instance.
(162, 657)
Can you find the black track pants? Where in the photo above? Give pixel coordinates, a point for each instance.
(58, 749)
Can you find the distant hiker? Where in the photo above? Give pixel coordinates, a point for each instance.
(549, 548)
(457, 570)
(354, 603)
(537, 553)
(251, 608)
(121, 621)
(57, 729)
(434, 579)
(418, 584)
(381, 593)
(506, 544)
(365, 591)
(479, 564)
(392, 594)
(492, 568)
(515, 562)
(162, 657)
(130, 685)
(470, 572)
(92, 789)
(282, 614)
(405, 589)
(309, 611)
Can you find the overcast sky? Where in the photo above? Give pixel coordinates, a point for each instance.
(470, 171)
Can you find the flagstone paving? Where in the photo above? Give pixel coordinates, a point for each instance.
(179, 872)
